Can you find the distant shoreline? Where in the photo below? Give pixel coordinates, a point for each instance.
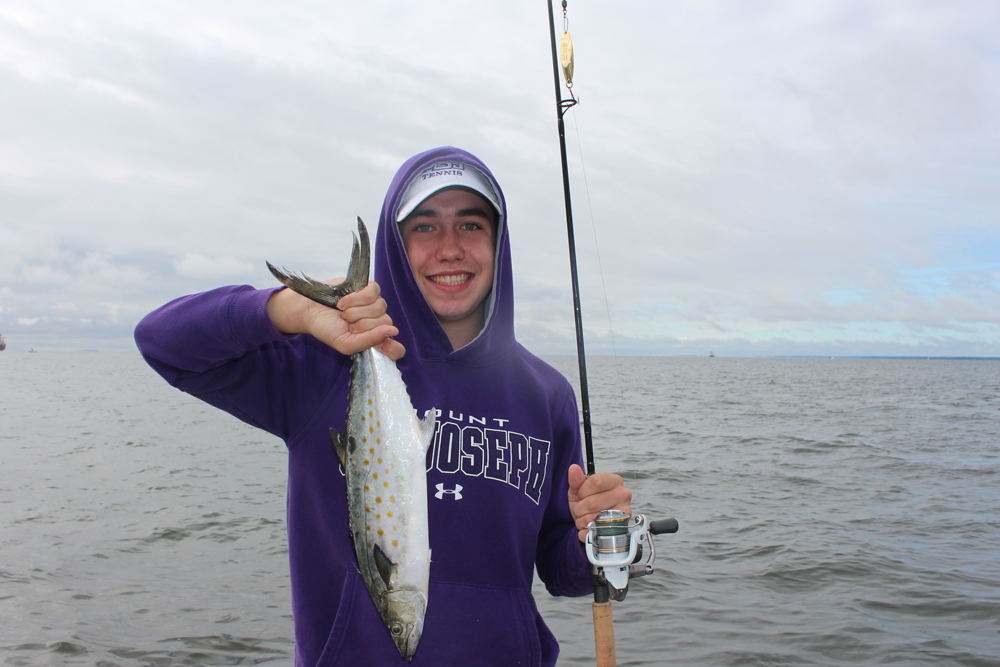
(785, 356)
(624, 356)
(818, 356)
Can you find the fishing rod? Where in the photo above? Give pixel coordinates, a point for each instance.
(615, 541)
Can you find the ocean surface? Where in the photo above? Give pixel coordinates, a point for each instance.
(832, 512)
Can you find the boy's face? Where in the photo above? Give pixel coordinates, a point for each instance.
(449, 240)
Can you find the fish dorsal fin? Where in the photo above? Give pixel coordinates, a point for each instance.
(339, 446)
(384, 565)
(427, 426)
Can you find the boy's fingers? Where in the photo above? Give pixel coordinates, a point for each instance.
(368, 316)
(392, 349)
(599, 483)
(576, 479)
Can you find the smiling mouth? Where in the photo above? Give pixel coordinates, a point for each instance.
(457, 279)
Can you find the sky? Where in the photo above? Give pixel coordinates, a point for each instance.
(750, 179)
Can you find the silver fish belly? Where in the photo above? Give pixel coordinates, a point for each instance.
(383, 453)
(384, 450)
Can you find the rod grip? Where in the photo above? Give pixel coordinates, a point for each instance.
(604, 634)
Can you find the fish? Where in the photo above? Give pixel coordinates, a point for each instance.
(382, 452)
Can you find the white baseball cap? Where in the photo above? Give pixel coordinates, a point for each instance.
(446, 174)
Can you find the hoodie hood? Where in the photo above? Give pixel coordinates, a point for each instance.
(419, 329)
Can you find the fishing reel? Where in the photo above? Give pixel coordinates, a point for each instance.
(615, 548)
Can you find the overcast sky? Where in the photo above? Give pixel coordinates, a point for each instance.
(760, 178)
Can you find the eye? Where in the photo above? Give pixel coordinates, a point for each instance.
(396, 630)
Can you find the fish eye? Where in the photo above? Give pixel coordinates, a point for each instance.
(396, 630)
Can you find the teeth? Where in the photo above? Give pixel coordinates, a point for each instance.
(451, 280)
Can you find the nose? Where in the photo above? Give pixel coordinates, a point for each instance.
(449, 246)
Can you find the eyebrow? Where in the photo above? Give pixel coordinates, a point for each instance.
(432, 213)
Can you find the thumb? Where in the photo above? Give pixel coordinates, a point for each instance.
(576, 479)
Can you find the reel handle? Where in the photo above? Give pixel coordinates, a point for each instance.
(662, 526)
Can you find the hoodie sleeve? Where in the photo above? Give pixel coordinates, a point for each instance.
(221, 347)
(561, 562)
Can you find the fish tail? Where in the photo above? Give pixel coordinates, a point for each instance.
(330, 295)
(361, 255)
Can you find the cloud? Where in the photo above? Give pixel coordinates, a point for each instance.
(768, 176)
(194, 265)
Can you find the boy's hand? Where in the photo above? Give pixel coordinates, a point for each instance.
(358, 323)
(588, 496)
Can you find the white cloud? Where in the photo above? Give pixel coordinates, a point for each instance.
(194, 265)
(782, 171)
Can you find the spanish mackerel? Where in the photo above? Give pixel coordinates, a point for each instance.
(383, 453)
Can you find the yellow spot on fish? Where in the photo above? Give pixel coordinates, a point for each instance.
(380, 460)
(372, 450)
(366, 461)
(369, 402)
(380, 531)
(378, 423)
(368, 386)
(371, 414)
(378, 500)
(368, 527)
(363, 417)
(386, 484)
(386, 471)
(395, 543)
(368, 509)
(371, 430)
(392, 499)
(378, 516)
(376, 475)
(365, 440)
(366, 488)
(389, 514)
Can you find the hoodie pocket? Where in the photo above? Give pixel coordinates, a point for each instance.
(466, 624)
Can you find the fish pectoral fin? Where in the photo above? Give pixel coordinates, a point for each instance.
(383, 564)
(339, 446)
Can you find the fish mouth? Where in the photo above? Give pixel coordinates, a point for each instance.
(451, 279)
(405, 619)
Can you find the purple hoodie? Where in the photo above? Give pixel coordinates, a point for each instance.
(508, 430)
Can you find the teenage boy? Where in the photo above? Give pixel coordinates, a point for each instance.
(507, 494)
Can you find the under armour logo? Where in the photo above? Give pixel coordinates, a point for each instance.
(457, 491)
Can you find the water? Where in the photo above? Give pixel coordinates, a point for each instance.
(833, 512)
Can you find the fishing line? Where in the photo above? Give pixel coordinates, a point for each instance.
(607, 305)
